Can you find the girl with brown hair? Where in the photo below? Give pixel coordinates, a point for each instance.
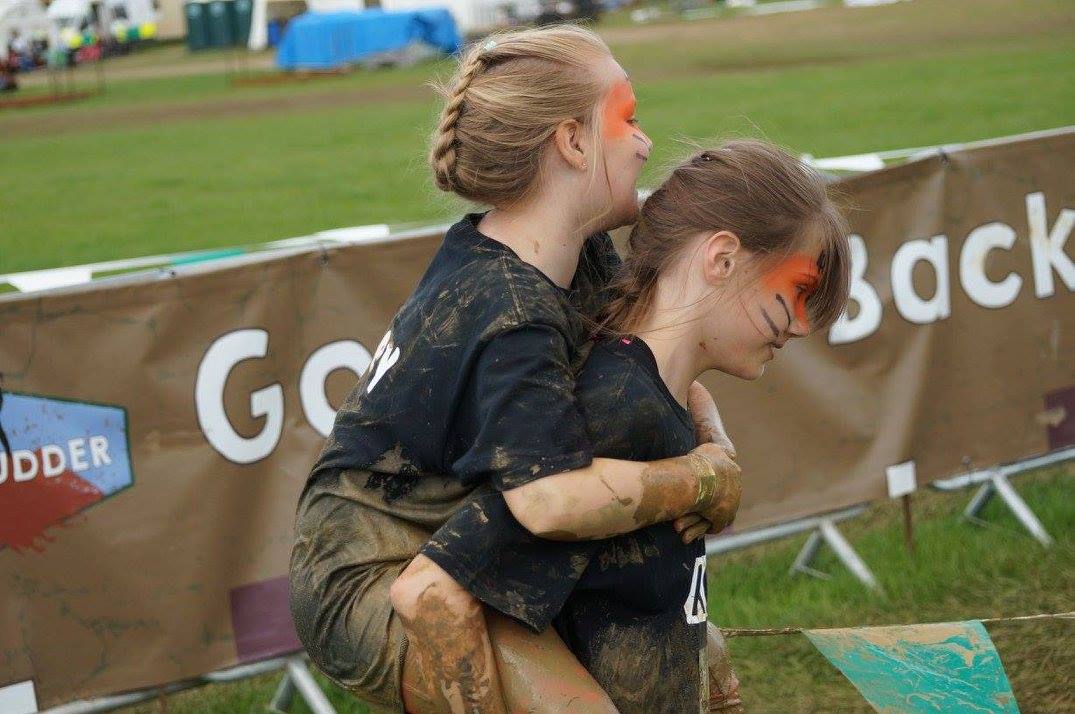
(471, 392)
(738, 251)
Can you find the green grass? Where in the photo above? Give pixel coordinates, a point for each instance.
(190, 162)
(959, 571)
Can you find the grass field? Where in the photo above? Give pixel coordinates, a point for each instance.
(960, 571)
(185, 162)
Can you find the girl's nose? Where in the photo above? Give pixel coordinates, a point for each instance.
(799, 327)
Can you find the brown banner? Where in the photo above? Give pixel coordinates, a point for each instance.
(161, 429)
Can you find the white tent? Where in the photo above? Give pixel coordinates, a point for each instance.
(72, 16)
(26, 16)
(471, 16)
(266, 10)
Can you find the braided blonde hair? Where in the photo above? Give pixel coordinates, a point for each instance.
(505, 102)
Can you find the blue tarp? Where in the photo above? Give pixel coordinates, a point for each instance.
(326, 40)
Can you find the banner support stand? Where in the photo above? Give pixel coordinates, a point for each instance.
(994, 481)
(822, 531)
(297, 678)
(827, 532)
(284, 695)
(999, 485)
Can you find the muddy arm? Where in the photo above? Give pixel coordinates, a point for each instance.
(611, 497)
(708, 426)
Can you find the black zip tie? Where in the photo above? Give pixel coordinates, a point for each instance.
(3, 436)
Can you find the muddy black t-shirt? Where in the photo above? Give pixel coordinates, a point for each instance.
(474, 382)
(635, 607)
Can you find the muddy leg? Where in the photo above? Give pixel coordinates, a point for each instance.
(538, 674)
(723, 684)
(449, 665)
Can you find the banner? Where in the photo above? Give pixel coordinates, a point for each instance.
(161, 428)
(918, 669)
(954, 353)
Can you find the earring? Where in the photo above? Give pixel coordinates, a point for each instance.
(583, 165)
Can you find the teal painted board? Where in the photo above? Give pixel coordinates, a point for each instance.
(941, 667)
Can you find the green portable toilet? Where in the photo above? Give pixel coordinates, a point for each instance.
(197, 16)
(241, 12)
(220, 24)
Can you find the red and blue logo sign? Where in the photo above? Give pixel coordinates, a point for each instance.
(57, 458)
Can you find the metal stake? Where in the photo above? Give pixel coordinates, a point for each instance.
(285, 694)
(827, 533)
(308, 688)
(977, 503)
(1022, 511)
(847, 554)
(806, 556)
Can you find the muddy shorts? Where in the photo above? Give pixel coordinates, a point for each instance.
(347, 553)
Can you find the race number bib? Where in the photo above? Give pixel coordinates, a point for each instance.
(695, 607)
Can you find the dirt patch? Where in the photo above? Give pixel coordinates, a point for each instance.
(128, 117)
(274, 78)
(174, 61)
(924, 21)
(41, 100)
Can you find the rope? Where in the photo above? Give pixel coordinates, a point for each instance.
(773, 631)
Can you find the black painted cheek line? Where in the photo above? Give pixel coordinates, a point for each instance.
(642, 156)
(772, 325)
(785, 306)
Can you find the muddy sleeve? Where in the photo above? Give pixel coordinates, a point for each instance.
(599, 265)
(502, 564)
(529, 423)
(605, 262)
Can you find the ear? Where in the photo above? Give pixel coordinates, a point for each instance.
(569, 143)
(722, 252)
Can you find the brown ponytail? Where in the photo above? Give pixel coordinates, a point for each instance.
(762, 194)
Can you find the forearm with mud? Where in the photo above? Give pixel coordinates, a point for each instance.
(611, 497)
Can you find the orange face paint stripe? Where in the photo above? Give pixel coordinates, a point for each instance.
(619, 110)
(798, 275)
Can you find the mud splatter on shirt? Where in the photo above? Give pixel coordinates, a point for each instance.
(632, 608)
(475, 378)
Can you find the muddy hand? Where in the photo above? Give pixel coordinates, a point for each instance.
(720, 508)
(691, 527)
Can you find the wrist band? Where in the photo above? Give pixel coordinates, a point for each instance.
(707, 479)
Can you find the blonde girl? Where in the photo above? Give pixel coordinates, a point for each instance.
(471, 391)
(740, 250)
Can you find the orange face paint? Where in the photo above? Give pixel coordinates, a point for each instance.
(619, 111)
(793, 281)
